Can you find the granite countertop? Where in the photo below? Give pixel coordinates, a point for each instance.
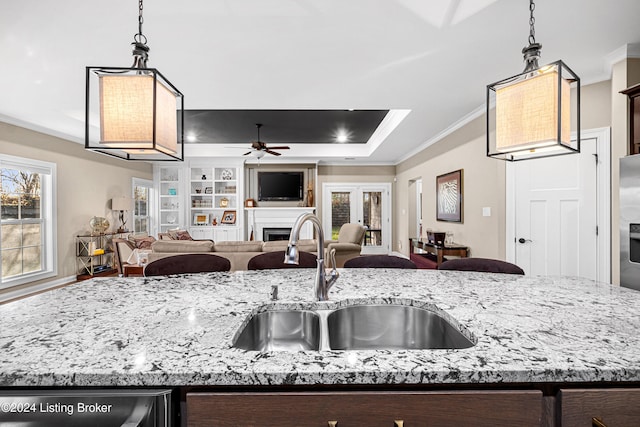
(179, 331)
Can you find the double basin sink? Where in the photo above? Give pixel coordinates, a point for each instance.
(355, 327)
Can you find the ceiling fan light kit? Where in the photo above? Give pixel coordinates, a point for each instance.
(139, 112)
(534, 114)
(259, 148)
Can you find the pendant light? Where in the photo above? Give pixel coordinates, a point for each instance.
(134, 113)
(531, 115)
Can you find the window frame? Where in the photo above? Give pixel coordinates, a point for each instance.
(148, 184)
(48, 220)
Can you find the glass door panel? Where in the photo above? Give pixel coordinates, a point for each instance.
(372, 217)
(341, 211)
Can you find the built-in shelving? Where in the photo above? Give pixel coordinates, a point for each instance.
(170, 195)
(215, 203)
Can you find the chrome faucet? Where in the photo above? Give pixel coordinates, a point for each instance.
(322, 282)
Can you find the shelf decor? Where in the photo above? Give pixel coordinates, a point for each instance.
(201, 219)
(226, 174)
(228, 217)
(449, 195)
(98, 225)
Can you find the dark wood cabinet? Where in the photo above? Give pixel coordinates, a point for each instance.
(619, 407)
(634, 118)
(371, 409)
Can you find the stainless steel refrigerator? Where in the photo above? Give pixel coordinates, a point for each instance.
(630, 221)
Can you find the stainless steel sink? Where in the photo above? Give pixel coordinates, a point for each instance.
(375, 327)
(356, 327)
(290, 330)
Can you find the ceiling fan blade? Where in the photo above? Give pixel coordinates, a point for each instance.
(283, 147)
(272, 152)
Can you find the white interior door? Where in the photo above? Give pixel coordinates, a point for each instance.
(366, 204)
(559, 210)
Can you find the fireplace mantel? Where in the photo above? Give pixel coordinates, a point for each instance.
(277, 217)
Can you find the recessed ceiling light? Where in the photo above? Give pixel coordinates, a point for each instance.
(342, 136)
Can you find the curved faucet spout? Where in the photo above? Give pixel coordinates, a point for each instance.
(322, 281)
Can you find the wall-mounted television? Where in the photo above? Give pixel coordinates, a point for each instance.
(280, 186)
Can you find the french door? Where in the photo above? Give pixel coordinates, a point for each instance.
(366, 204)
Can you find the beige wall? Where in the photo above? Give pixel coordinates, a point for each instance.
(595, 111)
(483, 184)
(85, 184)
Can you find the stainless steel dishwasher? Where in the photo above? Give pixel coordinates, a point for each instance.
(86, 407)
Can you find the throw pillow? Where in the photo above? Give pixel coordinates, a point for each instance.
(142, 242)
(180, 235)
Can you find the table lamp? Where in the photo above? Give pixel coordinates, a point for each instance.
(121, 204)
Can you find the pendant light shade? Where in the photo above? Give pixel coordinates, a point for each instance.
(536, 113)
(134, 113)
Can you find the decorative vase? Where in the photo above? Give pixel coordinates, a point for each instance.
(98, 225)
(309, 197)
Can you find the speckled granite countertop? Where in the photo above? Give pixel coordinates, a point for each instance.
(179, 331)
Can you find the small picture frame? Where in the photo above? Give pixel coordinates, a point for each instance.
(208, 190)
(249, 203)
(449, 197)
(201, 219)
(228, 217)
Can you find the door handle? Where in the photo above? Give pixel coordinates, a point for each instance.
(523, 240)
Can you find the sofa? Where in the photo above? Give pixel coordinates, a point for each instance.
(237, 252)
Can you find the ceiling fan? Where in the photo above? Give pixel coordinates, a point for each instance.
(259, 148)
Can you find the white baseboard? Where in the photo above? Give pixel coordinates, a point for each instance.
(394, 253)
(30, 290)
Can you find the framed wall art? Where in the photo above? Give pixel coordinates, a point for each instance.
(449, 195)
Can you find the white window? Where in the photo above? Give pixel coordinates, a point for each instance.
(142, 203)
(27, 223)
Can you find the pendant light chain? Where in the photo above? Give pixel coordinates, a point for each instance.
(532, 22)
(140, 38)
(140, 49)
(532, 52)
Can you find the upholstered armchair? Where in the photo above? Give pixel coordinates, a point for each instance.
(348, 245)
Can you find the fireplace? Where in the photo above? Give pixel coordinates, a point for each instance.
(270, 234)
(261, 218)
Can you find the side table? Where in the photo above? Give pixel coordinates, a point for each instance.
(129, 270)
